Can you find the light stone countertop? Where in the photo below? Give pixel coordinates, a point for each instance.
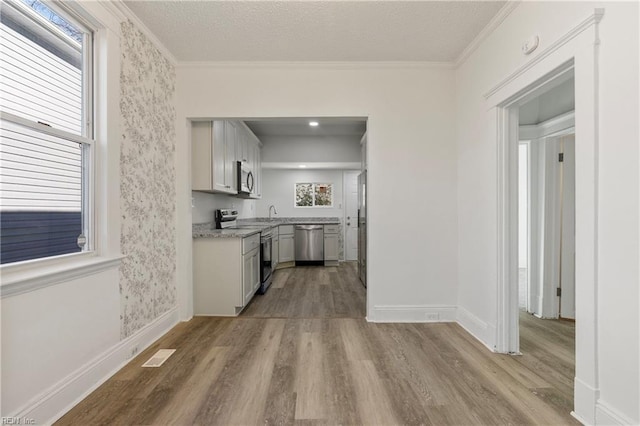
(207, 230)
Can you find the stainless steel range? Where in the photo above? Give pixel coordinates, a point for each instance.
(227, 219)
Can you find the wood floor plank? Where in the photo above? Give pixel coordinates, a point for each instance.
(374, 405)
(303, 354)
(310, 383)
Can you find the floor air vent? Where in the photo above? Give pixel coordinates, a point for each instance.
(159, 358)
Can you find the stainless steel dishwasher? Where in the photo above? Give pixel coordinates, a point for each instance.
(309, 242)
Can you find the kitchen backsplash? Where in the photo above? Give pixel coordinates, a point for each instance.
(203, 205)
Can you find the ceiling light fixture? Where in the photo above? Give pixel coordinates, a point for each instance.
(313, 123)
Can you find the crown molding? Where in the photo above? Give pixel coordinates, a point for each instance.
(495, 22)
(122, 11)
(317, 64)
(295, 165)
(590, 21)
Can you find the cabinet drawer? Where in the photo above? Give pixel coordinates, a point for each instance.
(331, 229)
(250, 243)
(286, 229)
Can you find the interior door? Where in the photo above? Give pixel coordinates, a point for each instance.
(362, 227)
(351, 215)
(568, 243)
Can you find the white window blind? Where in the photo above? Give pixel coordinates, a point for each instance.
(38, 171)
(40, 69)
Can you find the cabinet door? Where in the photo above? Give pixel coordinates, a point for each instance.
(249, 269)
(257, 170)
(230, 179)
(275, 252)
(221, 133)
(331, 247)
(242, 149)
(256, 270)
(201, 156)
(286, 248)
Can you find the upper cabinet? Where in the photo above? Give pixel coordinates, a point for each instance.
(251, 148)
(363, 152)
(213, 156)
(216, 147)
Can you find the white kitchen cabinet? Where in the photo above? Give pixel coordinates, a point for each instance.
(275, 249)
(286, 243)
(242, 144)
(226, 274)
(250, 274)
(363, 152)
(331, 244)
(213, 156)
(248, 152)
(257, 171)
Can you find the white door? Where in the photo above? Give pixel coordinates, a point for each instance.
(351, 215)
(568, 243)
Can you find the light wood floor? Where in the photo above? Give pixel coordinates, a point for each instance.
(283, 364)
(312, 292)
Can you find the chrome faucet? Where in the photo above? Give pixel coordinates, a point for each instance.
(274, 210)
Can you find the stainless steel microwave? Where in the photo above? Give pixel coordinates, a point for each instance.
(246, 180)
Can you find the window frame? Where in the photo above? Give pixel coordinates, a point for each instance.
(87, 139)
(313, 195)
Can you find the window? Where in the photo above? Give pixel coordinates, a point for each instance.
(314, 195)
(46, 132)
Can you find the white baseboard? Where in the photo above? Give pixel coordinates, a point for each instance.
(54, 402)
(413, 313)
(485, 333)
(585, 398)
(607, 415)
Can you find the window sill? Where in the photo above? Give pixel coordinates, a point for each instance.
(31, 276)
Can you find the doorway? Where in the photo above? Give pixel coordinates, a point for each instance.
(546, 202)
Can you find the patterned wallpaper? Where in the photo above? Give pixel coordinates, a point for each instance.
(147, 185)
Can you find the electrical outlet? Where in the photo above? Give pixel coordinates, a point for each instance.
(432, 316)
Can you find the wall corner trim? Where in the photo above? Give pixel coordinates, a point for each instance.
(607, 415)
(495, 22)
(119, 8)
(314, 65)
(591, 20)
(479, 329)
(54, 402)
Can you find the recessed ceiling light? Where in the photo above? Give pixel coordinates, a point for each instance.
(302, 166)
(313, 123)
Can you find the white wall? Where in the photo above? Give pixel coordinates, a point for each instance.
(411, 159)
(311, 149)
(617, 267)
(204, 204)
(50, 334)
(278, 190)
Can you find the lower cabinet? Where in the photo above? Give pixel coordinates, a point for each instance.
(226, 274)
(286, 251)
(250, 274)
(275, 251)
(331, 244)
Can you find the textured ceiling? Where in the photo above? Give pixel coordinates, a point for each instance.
(300, 127)
(267, 30)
